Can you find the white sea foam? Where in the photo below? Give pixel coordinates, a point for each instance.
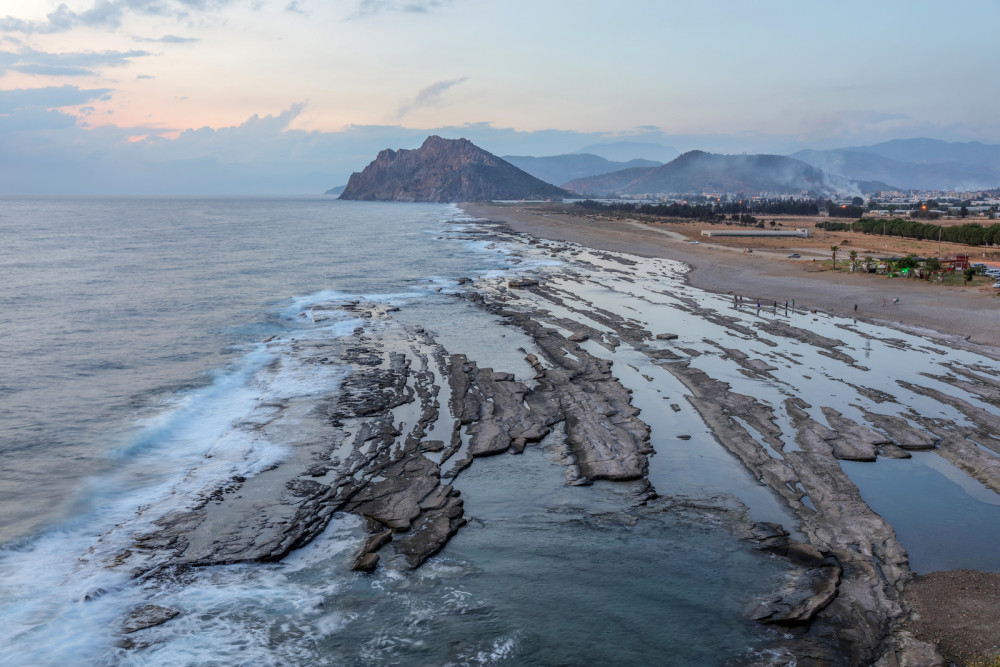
(454, 213)
(254, 614)
(58, 584)
(332, 298)
(441, 284)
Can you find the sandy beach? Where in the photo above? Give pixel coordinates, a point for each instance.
(956, 313)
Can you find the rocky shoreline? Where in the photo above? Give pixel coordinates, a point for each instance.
(411, 416)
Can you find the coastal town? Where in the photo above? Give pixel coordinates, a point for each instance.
(941, 244)
(929, 204)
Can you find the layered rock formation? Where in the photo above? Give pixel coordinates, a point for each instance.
(445, 170)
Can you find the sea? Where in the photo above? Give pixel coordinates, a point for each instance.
(132, 346)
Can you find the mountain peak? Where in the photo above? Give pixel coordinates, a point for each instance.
(444, 170)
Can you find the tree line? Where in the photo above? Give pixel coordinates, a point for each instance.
(711, 211)
(970, 233)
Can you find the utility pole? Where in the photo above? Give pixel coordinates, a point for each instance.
(939, 241)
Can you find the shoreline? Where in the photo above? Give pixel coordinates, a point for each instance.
(924, 309)
(935, 311)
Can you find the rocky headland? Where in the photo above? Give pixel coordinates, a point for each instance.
(445, 170)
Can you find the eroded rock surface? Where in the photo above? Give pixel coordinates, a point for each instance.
(849, 596)
(363, 456)
(394, 441)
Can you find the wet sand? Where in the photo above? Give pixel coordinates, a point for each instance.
(958, 611)
(957, 314)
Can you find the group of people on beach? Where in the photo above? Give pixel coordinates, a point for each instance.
(738, 303)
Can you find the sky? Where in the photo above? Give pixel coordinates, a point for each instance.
(291, 96)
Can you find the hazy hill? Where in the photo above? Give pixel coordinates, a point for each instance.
(915, 164)
(605, 184)
(444, 170)
(700, 172)
(624, 151)
(559, 169)
(927, 151)
(856, 164)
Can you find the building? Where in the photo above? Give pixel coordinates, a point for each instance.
(956, 263)
(800, 233)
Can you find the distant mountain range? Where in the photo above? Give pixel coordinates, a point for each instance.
(559, 169)
(700, 172)
(904, 164)
(625, 151)
(927, 151)
(920, 164)
(445, 170)
(456, 170)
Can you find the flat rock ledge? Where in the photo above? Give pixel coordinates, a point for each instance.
(842, 604)
(367, 452)
(358, 458)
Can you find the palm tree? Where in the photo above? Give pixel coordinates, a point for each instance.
(854, 258)
(835, 248)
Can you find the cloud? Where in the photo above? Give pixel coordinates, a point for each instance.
(167, 39)
(295, 7)
(45, 150)
(849, 123)
(51, 70)
(373, 7)
(52, 97)
(105, 14)
(29, 61)
(429, 96)
(205, 5)
(144, 76)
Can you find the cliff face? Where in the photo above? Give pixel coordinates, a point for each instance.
(445, 170)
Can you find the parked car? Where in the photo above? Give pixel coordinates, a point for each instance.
(997, 284)
(794, 255)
